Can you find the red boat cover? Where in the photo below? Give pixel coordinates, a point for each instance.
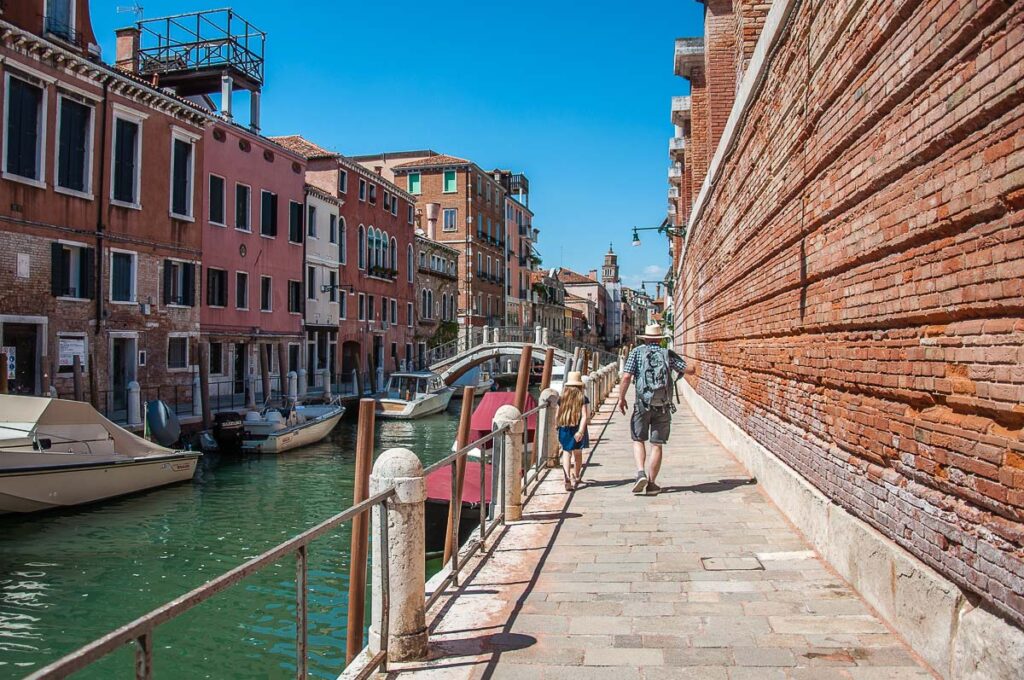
(439, 483)
(483, 415)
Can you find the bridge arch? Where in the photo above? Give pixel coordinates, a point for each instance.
(453, 369)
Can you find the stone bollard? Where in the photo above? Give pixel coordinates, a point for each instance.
(293, 386)
(538, 334)
(496, 334)
(512, 474)
(252, 393)
(545, 337)
(134, 403)
(486, 335)
(407, 628)
(197, 396)
(327, 384)
(355, 382)
(303, 380)
(588, 390)
(547, 427)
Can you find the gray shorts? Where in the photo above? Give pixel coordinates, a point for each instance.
(654, 424)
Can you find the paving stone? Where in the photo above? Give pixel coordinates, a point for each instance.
(618, 656)
(763, 656)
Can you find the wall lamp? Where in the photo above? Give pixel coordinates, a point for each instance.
(328, 287)
(667, 229)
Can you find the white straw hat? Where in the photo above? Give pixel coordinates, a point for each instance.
(652, 332)
(575, 379)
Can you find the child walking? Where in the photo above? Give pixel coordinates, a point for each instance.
(573, 416)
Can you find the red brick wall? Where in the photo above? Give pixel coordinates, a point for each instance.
(750, 16)
(853, 292)
(720, 66)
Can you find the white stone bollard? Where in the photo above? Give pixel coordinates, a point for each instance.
(303, 381)
(326, 375)
(134, 403)
(293, 386)
(407, 628)
(512, 477)
(496, 334)
(486, 335)
(547, 426)
(252, 393)
(197, 396)
(538, 336)
(588, 390)
(544, 337)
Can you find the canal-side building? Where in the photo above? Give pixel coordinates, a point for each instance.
(100, 208)
(253, 232)
(437, 285)
(589, 288)
(326, 305)
(549, 301)
(521, 259)
(583, 319)
(376, 222)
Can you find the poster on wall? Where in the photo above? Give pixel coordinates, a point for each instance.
(68, 349)
(10, 352)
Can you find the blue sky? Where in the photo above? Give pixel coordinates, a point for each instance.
(575, 95)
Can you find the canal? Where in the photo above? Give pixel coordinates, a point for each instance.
(68, 577)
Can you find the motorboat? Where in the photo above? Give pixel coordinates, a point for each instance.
(413, 394)
(557, 377)
(480, 379)
(276, 430)
(58, 453)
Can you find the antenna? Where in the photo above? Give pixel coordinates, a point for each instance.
(135, 9)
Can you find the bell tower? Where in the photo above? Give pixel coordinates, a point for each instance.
(610, 272)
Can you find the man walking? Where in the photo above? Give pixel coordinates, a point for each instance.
(651, 366)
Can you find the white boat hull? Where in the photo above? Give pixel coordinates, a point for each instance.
(295, 436)
(45, 487)
(480, 388)
(399, 409)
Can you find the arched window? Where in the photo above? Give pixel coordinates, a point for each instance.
(385, 261)
(343, 241)
(408, 262)
(362, 248)
(423, 304)
(371, 236)
(430, 302)
(394, 254)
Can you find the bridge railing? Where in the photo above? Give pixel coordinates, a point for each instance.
(397, 507)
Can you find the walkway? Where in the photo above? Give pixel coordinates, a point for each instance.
(707, 580)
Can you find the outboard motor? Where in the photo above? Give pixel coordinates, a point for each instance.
(163, 424)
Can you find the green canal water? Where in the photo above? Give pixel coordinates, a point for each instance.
(69, 577)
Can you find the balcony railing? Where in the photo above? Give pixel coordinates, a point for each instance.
(675, 171)
(61, 29)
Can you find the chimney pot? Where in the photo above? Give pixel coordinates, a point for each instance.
(126, 52)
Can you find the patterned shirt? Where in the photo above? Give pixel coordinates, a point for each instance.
(632, 365)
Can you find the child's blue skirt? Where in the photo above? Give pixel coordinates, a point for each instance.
(567, 438)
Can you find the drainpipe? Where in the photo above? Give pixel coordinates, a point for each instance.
(101, 208)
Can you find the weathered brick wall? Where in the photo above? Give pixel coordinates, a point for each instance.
(750, 16)
(720, 59)
(853, 292)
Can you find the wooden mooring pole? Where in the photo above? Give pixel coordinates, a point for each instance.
(204, 383)
(76, 375)
(360, 530)
(549, 364)
(461, 439)
(3, 373)
(523, 379)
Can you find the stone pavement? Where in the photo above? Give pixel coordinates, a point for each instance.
(707, 580)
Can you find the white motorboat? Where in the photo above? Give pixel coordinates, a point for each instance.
(414, 395)
(557, 377)
(280, 430)
(480, 379)
(59, 453)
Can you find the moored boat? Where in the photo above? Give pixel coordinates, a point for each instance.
(60, 453)
(413, 395)
(480, 379)
(279, 430)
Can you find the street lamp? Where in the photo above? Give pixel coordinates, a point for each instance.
(663, 228)
(328, 287)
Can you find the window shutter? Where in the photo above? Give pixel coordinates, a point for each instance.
(189, 287)
(180, 174)
(57, 272)
(85, 268)
(167, 282)
(273, 214)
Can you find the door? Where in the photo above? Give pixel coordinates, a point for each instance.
(122, 370)
(24, 338)
(239, 368)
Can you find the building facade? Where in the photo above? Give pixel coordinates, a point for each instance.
(549, 310)
(437, 288)
(589, 288)
(521, 258)
(326, 301)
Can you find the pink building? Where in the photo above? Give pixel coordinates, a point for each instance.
(253, 232)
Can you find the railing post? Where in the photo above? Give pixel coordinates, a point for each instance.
(547, 427)
(512, 482)
(134, 403)
(406, 583)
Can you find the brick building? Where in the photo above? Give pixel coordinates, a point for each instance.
(437, 285)
(101, 249)
(522, 258)
(549, 308)
(589, 288)
(850, 296)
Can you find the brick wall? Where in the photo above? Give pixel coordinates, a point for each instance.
(750, 16)
(720, 66)
(853, 291)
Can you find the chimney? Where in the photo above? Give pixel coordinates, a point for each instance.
(379, 169)
(126, 54)
(433, 210)
(592, 274)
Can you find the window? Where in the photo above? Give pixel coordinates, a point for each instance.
(25, 129)
(384, 310)
(241, 290)
(394, 205)
(373, 194)
(243, 196)
(60, 19)
(216, 287)
(412, 214)
(177, 352)
(216, 358)
(332, 228)
(408, 314)
(181, 175)
(408, 263)
(294, 297)
(332, 280)
(74, 146)
(414, 183)
(424, 307)
(343, 241)
(179, 283)
(311, 282)
(450, 219)
(71, 270)
(268, 213)
(394, 311)
(450, 183)
(479, 185)
(393, 259)
(266, 294)
(294, 222)
(127, 166)
(311, 221)
(387, 199)
(362, 249)
(217, 209)
(122, 276)
(479, 225)
(343, 307)
(362, 307)
(343, 181)
(362, 189)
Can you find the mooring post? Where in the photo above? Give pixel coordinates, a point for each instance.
(538, 336)
(76, 374)
(545, 336)
(549, 364)
(264, 351)
(328, 394)
(303, 381)
(204, 383)
(3, 372)
(512, 466)
(523, 379)
(134, 403)
(547, 427)
(197, 395)
(357, 562)
(404, 553)
(588, 389)
(282, 370)
(251, 401)
(458, 479)
(293, 387)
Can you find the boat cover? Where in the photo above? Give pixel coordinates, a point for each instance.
(483, 415)
(439, 484)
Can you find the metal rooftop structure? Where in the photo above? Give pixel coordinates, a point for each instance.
(193, 52)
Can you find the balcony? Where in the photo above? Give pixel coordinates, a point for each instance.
(673, 192)
(689, 56)
(680, 110)
(676, 148)
(59, 28)
(675, 172)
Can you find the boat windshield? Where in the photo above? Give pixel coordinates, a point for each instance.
(405, 387)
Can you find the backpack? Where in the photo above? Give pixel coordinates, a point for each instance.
(654, 386)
